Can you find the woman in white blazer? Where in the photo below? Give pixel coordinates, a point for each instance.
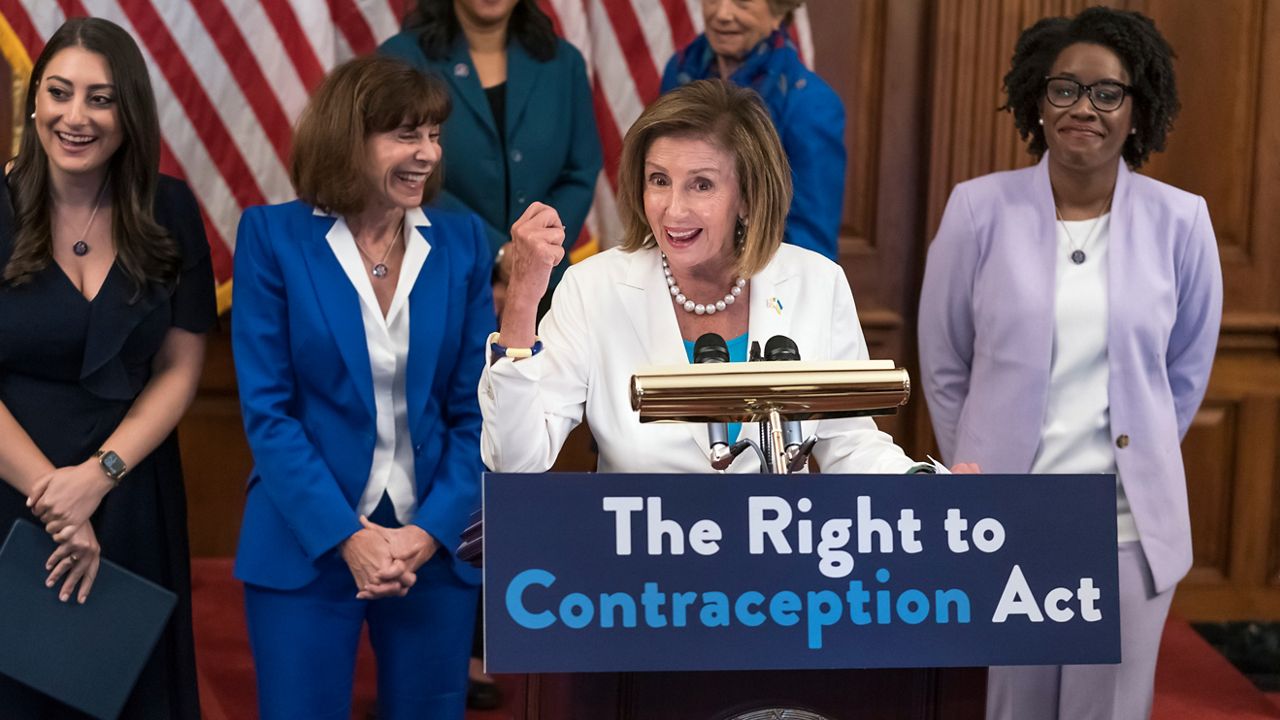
(704, 193)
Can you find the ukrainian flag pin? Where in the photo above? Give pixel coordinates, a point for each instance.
(776, 305)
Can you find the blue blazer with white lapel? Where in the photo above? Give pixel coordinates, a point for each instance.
(986, 335)
(553, 149)
(306, 388)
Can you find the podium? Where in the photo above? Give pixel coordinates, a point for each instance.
(910, 694)
(757, 597)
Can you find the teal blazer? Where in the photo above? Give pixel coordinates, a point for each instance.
(553, 149)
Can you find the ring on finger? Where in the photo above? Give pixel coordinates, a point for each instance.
(74, 557)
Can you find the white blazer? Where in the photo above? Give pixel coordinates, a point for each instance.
(612, 314)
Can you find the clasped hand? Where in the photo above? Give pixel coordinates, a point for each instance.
(78, 559)
(384, 561)
(65, 498)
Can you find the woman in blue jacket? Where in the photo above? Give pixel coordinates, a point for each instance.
(358, 328)
(746, 44)
(522, 115)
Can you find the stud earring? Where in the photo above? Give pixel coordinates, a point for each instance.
(1041, 121)
(1133, 131)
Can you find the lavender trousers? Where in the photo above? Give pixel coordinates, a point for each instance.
(1094, 692)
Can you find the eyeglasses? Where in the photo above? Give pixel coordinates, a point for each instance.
(1104, 95)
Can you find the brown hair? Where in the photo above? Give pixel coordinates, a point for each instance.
(144, 248)
(361, 97)
(734, 119)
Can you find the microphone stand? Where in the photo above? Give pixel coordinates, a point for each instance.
(777, 451)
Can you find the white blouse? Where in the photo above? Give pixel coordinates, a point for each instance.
(1076, 437)
(392, 470)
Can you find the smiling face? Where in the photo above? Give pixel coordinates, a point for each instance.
(77, 115)
(1079, 137)
(733, 27)
(692, 202)
(398, 163)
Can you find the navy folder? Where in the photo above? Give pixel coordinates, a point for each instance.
(87, 656)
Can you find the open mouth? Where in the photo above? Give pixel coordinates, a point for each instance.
(75, 141)
(411, 178)
(681, 238)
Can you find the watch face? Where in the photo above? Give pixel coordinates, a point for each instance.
(112, 463)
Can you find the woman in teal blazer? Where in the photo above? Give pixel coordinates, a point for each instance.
(522, 128)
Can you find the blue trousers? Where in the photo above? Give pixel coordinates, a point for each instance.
(304, 645)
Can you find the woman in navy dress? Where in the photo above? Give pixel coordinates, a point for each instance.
(105, 296)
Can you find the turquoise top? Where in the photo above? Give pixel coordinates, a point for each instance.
(737, 353)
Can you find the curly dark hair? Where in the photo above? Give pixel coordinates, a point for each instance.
(437, 27)
(1130, 35)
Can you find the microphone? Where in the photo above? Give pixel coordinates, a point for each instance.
(781, 347)
(711, 348)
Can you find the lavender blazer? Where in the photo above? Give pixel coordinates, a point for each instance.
(986, 336)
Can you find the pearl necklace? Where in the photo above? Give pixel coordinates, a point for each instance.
(699, 308)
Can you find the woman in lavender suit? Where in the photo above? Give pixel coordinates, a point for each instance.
(1068, 322)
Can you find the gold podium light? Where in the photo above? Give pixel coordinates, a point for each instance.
(749, 392)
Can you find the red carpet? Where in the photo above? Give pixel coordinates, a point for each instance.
(1193, 682)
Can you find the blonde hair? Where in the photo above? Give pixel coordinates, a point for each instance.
(735, 120)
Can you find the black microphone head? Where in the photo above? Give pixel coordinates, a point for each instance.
(781, 347)
(710, 348)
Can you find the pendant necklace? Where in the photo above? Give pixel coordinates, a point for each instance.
(380, 266)
(81, 248)
(1077, 252)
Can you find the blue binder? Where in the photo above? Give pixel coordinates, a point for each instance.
(87, 656)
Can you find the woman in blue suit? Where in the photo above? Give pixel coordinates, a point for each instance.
(523, 115)
(746, 43)
(358, 330)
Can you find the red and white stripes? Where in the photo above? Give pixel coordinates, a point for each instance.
(232, 76)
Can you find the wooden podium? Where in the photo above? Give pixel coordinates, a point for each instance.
(911, 694)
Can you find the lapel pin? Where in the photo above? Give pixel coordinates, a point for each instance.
(776, 305)
(461, 70)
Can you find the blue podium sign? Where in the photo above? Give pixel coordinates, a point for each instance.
(587, 572)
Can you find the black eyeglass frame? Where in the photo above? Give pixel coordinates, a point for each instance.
(1087, 90)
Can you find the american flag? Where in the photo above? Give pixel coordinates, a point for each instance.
(232, 76)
